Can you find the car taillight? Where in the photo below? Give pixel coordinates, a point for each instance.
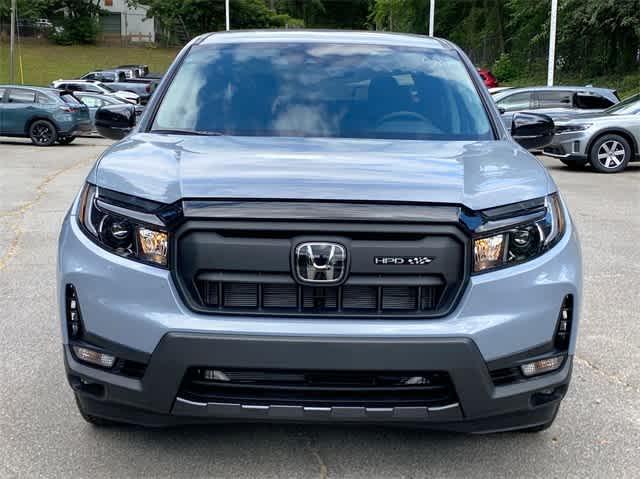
(67, 109)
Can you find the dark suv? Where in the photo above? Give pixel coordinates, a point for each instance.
(46, 115)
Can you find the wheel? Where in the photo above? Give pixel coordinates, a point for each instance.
(574, 164)
(43, 133)
(93, 420)
(66, 140)
(610, 154)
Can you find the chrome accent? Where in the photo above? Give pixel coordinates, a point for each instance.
(449, 412)
(320, 263)
(444, 408)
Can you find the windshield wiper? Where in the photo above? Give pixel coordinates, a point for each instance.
(181, 131)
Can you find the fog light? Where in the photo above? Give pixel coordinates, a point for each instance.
(542, 366)
(94, 357)
(563, 330)
(74, 320)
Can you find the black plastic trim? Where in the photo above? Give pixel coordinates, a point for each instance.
(188, 290)
(153, 397)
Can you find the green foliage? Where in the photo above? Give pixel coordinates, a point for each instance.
(82, 30)
(503, 68)
(594, 37)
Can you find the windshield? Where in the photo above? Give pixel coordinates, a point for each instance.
(106, 87)
(630, 106)
(324, 90)
(70, 99)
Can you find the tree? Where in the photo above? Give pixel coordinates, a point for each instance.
(81, 23)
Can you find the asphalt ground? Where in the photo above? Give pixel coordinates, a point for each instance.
(597, 433)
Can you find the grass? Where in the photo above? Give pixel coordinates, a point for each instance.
(42, 62)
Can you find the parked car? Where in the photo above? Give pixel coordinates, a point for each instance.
(92, 86)
(498, 89)
(557, 101)
(94, 101)
(44, 115)
(489, 80)
(117, 80)
(351, 236)
(105, 76)
(607, 140)
(137, 70)
(43, 24)
(143, 72)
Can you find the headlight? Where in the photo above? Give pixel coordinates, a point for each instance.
(119, 233)
(572, 128)
(522, 242)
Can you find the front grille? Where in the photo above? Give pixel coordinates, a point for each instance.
(290, 297)
(244, 267)
(318, 388)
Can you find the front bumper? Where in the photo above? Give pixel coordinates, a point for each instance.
(569, 146)
(136, 309)
(155, 400)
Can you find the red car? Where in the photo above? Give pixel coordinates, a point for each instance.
(487, 77)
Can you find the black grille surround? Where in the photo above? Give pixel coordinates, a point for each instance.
(321, 388)
(243, 267)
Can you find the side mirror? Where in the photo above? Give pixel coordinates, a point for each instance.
(532, 130)
(115, 121)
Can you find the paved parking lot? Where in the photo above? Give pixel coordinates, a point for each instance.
(597, 433)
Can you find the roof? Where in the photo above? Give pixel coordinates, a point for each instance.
(41, 89)
(324, 36)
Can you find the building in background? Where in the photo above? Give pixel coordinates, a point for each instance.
(126, 25)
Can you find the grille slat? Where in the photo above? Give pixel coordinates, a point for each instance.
(290, 298)
(360, 297)
(240, 295)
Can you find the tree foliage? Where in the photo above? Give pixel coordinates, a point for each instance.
(594, 36)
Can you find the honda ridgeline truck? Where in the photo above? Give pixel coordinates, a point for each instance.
(320, 227)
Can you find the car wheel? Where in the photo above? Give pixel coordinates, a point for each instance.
(43, 133)
(93, 420)
(610, 154)
(574, 164)
(66, 140)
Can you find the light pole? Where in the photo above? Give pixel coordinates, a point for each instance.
(552, 42)
(12, 42)
(432, 16)
(226, 11)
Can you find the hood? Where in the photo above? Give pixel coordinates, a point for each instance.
(168, 168)
(603, 118)
(580, 116)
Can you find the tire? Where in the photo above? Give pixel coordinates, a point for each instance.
(93, 420)
(574, 164)
(610, 154)
(66, 140)
(43, 133)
